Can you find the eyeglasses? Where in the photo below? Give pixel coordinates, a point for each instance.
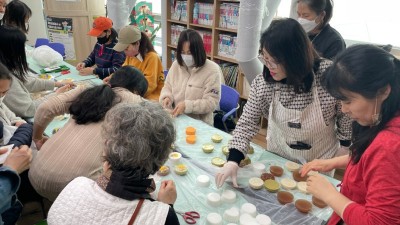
(268, 63)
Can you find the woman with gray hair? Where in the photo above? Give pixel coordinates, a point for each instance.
(138, 137)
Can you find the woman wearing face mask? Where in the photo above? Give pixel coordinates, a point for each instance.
(103, 60)
(314, 17)
(140, 53)
(193, 84)
(304, 120)
(17, 14)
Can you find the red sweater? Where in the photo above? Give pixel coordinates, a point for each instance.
(374, 182)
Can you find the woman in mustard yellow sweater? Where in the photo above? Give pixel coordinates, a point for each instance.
(140, 53)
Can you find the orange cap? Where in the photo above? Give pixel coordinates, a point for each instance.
(100, 24)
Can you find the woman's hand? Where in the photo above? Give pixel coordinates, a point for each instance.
(320, 187)
(107, 79)
(19, 123)
(40, 142)
(320, 165)
(86, 71)
(179, 109)
(80, 66)
(63, 89)
(19, 159)
(167, 192)
(167, 103)
(63, 83)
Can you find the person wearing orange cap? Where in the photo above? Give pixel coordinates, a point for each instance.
(103, 60)
(140, 53)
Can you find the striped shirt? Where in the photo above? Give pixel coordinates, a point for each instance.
(106, 59)
(261, 95)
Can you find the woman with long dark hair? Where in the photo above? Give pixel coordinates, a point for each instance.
(17, 14)
(367, 81)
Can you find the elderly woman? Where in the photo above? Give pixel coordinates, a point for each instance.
(137, 140)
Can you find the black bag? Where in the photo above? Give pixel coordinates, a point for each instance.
(230, 122)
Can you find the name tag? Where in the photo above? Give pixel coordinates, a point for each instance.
(294, 125)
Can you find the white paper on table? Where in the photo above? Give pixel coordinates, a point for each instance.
(3, 157)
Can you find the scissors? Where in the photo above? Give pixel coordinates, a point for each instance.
(189, 217)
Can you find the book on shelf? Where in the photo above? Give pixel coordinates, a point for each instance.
(227, 44)
(175, 32)
(207, 40)
(203, 13)
(179, 10)
(229, 15)
(173, 55)
(230, 72)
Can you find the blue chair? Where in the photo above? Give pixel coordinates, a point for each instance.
(229, 103)
(165, 74)
(41, 41)
(58, 47)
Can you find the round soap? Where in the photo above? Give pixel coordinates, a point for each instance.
(288, 184)
(284, 197)
(258, 167)
(232, 215)
(297, 176)
(190, 131)
(228, 196)
(246, 219)
(175, 157)
(303, 206)
(208, 148)
(214, 199)
(216, 138)
(248, 208)
(267, 176)
(163, 171)
(250, 150)
(263, 219)
(203, 181)
(256, 183)
(246, 161)
(276, 170)
(181, 169)
(318, 202)
(312, 173)
(217, 161)
(271, 185)
(214, 219)
(225, 150)
(190, 139)
(292, 166)
(302, 186)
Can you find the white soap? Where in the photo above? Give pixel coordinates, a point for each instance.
(232, 214)
(263, 219)
(246, 219)
(214, 219)
(228, 196)
(288, 184)
(214, 199)
(302, 186)
(248, 208)
(258, 167)
(203, 181)
(312, 173)
(256, 183)
(175, 157)
(292, 166)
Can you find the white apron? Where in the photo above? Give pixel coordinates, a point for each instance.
(288, 126)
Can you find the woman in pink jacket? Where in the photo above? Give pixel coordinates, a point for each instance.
(193, 83)
(367, 80)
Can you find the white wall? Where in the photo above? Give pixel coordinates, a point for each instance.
(37, 27)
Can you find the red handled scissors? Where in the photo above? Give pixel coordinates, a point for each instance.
(189, 217)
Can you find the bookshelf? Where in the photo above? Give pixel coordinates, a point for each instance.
(219, 36)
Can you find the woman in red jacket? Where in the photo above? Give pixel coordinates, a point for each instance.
(367, 80)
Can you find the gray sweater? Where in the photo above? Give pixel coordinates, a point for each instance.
(18, 98)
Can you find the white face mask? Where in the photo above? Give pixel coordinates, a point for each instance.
(1, 16)
(308, 25)
(188, 59)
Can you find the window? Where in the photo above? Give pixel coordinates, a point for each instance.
(362, 21)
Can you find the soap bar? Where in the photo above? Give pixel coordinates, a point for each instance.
(276, 170)
(163, 171)
(248, 208)
(214, 219)
(232, 215)
(217, 161)
(246, 219)
(216, 138)
(318, 202)
(175, 157)
(181, 169)
(271, 185)
(246, 161)
(285, 197)
(303, 206)
(258, 167)
(190, 139)
(214, 199)
(256, 183)
(228, 196)
(263, 219)
(297, 176)
(208, 148)
(250, 150)
(302, 186)
(190, 131)
(225, 150)
(203, 181)
(267, 176)
(292, 166)
(288, 184)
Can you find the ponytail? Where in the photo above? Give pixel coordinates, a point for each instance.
(92, 104)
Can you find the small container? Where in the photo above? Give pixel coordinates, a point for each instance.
(175, 157)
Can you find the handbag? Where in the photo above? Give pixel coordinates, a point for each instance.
(136, 212)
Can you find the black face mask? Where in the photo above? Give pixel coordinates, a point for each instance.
(103, 40)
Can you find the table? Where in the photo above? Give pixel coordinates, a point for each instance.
(191, 197)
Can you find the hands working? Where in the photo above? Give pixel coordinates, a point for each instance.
(167, 192)
(19, 159)
(229, 170)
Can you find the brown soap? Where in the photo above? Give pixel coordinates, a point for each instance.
(297, 176)
(303, 206)
(267, 176)
(318, 202)
(276, 170)
(285, 197)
